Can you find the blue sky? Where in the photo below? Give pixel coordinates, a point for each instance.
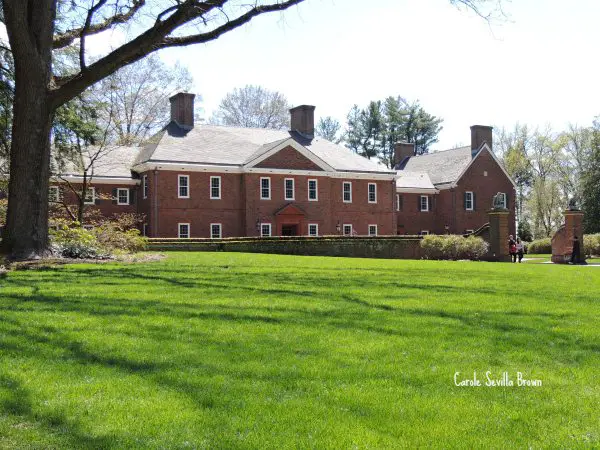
(538, 66)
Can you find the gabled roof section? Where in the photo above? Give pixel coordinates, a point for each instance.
(442, 167)
(223, 146)
(290, 210)
(486, 147)
(271, 150)
(113, 162)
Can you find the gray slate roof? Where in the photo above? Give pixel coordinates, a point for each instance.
(442, 167)
(413, 180)
(210, 144)
(114, 161)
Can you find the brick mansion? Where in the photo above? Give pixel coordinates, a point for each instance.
(205, 181)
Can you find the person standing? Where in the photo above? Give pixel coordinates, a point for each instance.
(512, 248)
(519, 249)
(576, 254)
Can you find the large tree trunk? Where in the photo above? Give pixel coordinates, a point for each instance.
(30, 27)
(26, 232)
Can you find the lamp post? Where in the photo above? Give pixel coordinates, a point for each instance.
(258, 226)
(338, 227)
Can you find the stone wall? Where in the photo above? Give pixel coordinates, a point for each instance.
(393, 247)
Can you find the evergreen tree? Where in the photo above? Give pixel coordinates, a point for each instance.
(591, 186)
(329, 128)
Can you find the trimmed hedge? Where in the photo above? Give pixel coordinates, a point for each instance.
(454, 247)
(540, 246)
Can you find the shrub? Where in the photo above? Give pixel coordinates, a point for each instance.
(540, 246)
(453, 247)
(110, 236)
(591, 244)
(69, 240)
(75, 242)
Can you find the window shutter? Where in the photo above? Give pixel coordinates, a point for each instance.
(97, 195)
(114, 196)
(474, 204)
(506, 197)
(419, 203)
(465, 201)
(430, 201)
(132, 194)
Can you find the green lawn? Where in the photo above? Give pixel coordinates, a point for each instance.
(260, 351)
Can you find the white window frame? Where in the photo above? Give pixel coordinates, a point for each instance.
(144, 229)
(189, 230)
(369, 229)
(93, 201)
(54, 194)
(344, 229)
(397, 202)
(119, 196)
(262, 234)
(469, 194)
(211, 187)
(349, 183)
(426, 197)
(261, 188)
(503, 199)
(369, 192)
(220, 230)
(424, 232)
(285, 196)
(316, 225)
(316, 199)
(179, 177)
(145, 186)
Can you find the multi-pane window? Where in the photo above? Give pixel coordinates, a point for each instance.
(183, 186)
(289, 188)
(215, 231)
(503, 198)
(313, 195)
(347, 229)
(424, 203)
(313, 229)
(90, 196)
(265, 188)
(265, 229)
(372, 193)
(347, 192)
(183, 230)
(53, 194)
(469, 201)
(215, 188)
(145, 186)
(372, 230)
(399, 202)
(122, 196)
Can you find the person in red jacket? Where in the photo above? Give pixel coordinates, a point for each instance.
(512, 248)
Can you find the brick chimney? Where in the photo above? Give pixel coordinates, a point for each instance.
(480, 134)
(182, 109)
(303, 120)
(403, 150)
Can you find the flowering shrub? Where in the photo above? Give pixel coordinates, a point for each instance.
(70, 240)
(540, 246)
(453, 247)
(591, 244)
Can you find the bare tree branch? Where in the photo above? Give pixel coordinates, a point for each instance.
(66, 38)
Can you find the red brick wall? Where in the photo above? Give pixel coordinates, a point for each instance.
(411, 220)
(448, 206)
(199, 210)
(484, 187)
(105, 202)
(288, 158)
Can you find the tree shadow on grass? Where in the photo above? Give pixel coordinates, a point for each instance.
(16, 401)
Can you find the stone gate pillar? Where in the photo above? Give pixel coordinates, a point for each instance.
(499, 234)
(562, 241)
